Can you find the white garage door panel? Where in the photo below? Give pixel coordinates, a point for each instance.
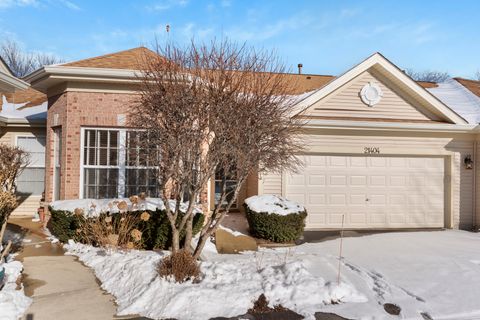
(372, 192)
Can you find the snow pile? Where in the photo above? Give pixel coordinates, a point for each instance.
(232, 232)
(15, 111)
(230, 284)
(273, 204)
(93, 207)
(13, 302)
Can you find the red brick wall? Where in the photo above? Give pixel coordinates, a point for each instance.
(76, 110)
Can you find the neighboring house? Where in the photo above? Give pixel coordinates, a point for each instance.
(381, 149)
(23, 114)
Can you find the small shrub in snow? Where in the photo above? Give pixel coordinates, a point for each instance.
(275, 218)
(154, 226)
(119, 230)
(261, 306)
(180, 265)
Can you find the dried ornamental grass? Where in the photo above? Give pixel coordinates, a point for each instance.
(117, 230)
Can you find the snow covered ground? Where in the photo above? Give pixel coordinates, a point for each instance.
(13, 302)
(436, 273)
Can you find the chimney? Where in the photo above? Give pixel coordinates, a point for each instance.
(300, 66)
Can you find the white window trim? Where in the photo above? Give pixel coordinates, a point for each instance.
(121, 158)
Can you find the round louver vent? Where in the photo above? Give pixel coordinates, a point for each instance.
(371, 94)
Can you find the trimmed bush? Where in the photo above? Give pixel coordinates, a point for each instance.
(156, 231)
(64, 224)
(276, 227)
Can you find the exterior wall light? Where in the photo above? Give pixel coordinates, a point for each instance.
(468, 162)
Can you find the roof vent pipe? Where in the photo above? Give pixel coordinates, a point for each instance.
(300, 66)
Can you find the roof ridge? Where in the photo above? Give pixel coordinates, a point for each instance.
(465, 79)
(104, 55)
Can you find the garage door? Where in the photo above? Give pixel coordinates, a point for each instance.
(372, 192)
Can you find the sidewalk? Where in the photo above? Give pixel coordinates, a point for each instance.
(61, 287)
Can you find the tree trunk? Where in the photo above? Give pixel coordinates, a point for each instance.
(175, 240)
(189, 235)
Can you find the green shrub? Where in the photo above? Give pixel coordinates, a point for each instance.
(275, 227)
(156, 231)
(64, 224)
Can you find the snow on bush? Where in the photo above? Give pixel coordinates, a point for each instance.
(228, 287)
(273, 204)
(13, 302)
(275, 218)
(93, 207)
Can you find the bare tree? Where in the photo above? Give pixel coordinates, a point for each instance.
(213, 108)
(22, 63)
(477, 75)
(12, 162)
(428, 75)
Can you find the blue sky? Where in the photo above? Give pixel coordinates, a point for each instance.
(328, 37)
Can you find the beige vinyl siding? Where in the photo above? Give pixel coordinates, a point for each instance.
(345, 102)
(27, 205)
(463, 180)
(271, 183)
(456, 148)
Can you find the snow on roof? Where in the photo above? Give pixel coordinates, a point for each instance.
(17, 111)
(459, 99)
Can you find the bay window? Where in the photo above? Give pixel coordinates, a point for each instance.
(115, 166)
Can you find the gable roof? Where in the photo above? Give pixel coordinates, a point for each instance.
(128, 59)
(4, 67)
(23, 108)
(122, 64)
(383, 65)
(30, 97)
(472, 85)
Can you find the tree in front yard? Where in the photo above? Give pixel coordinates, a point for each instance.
(213, 108)
(12, 162)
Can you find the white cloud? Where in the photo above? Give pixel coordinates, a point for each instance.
(226, 3)
(70, 5)
(265, 32)
(18, 3)
(191, 30)
(166, 4)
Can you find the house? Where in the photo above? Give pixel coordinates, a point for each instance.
(382, 150)
(23, 112)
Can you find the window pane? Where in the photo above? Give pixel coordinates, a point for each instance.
(113, 139)
(103, 139)
(103, 158)
(35, 146)
(31, 181)
(100, 183)
(113, 157)
(92, 138)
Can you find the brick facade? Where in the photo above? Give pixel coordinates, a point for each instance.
(71, 111)
(74, 110)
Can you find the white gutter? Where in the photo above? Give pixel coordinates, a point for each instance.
(22, 122)
(370, 125)
(81, 72)
(12, 82)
